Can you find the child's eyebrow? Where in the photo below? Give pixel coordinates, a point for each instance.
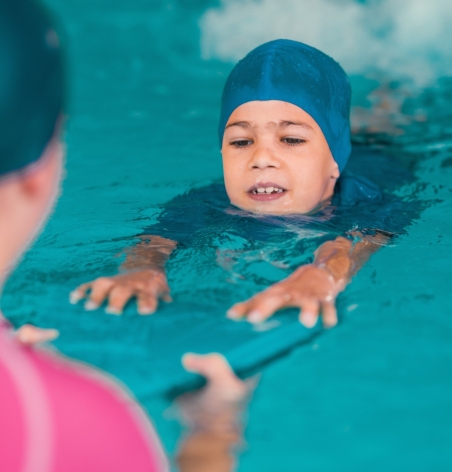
(242, 124)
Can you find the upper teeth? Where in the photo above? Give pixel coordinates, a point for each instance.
(268, 190)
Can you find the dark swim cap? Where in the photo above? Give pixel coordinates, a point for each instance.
(31, 83)
(296, 73)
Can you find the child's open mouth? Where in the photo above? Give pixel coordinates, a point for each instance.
(266, 191)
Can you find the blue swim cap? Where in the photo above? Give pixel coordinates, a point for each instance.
(32, 88)
(296, 73)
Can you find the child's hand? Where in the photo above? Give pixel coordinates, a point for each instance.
(148, 286)
(310, 288)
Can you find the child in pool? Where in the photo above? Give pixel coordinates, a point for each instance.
(285, 141)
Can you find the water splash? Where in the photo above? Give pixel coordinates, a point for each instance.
(395, 38)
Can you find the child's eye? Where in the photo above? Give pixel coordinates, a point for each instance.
(293, 141)
(240, 143)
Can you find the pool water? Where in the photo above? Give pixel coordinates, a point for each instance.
(372, 394)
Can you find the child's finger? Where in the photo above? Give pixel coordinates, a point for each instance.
(309, 312)
(238, 310)
(264, 306)
(99, 292)
(329, 315)
(79, 293)
(147, 304)
(119, 296)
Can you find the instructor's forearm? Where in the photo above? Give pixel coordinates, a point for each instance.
(151, 253)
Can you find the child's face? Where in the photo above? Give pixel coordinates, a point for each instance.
(276, 159)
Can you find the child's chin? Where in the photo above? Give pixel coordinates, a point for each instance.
(275, 208)
(268, 208)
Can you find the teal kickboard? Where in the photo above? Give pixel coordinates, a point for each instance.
(145, 352)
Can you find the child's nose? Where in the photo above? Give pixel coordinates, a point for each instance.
(264, 157)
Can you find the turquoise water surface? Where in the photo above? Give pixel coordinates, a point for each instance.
(372, 394)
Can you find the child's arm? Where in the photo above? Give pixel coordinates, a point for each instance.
(314, 287)
(144, 278)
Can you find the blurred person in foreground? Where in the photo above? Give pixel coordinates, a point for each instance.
(55, 415)
(58, 415)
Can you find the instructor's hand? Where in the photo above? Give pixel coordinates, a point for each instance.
(309, 288)
(148, 286)
(30, 335)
